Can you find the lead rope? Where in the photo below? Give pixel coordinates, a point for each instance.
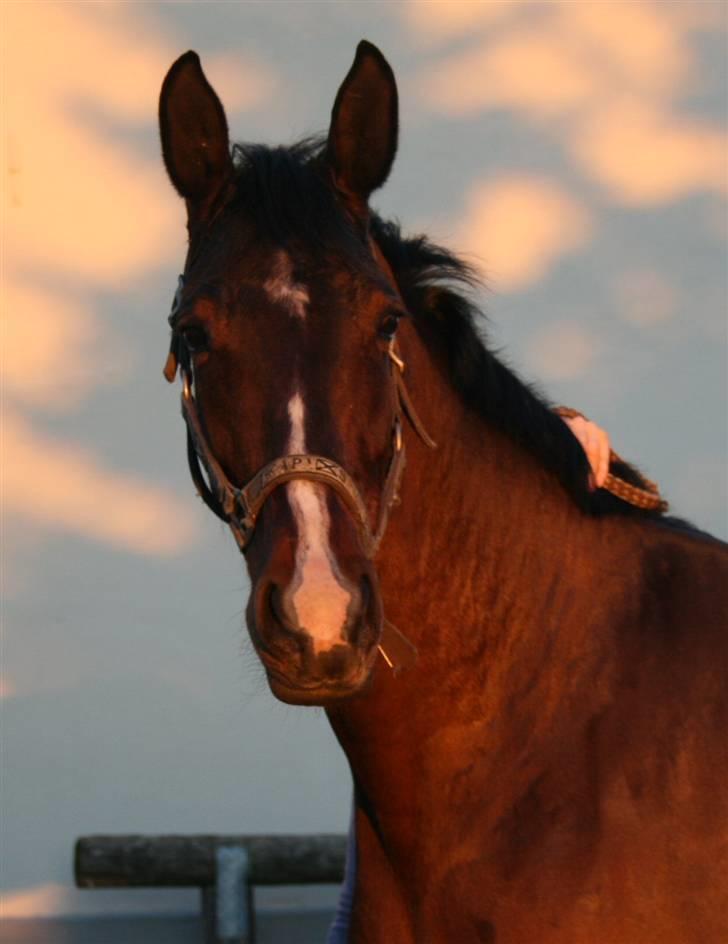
(648, 497)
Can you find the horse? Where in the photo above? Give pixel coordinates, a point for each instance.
(527, 675)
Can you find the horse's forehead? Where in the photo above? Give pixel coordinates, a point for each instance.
(283, 288)
(309, 285)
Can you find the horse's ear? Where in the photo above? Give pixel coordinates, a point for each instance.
(194, 133)
(363, 134)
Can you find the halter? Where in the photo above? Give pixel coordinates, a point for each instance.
(239, 507)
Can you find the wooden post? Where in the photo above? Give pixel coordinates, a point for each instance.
(134, 861)
(225, 868)
(227, 907)
(232, 896)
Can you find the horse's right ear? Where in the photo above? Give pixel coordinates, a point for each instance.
(364, 123)
(194, 133)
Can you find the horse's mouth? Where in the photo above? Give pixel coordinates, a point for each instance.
(297, 676)
(321, 693)
(304, 689)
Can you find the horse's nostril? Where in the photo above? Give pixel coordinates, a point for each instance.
(363, 622)
(372, 600)
(273, 602)
(366, 593)
(276, 607)
(282, 630)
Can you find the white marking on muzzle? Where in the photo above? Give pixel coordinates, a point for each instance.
(281, 287)
(319, 594)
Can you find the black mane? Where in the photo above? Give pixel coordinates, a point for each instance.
(437, 287)
(288, 193)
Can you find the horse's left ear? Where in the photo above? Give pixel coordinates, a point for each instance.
(194, 132)
(363, 133)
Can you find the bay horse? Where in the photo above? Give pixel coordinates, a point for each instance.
(540, 748)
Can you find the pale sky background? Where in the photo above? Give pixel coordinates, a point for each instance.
(577, 150)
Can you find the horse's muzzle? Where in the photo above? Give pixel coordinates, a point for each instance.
(301, 672)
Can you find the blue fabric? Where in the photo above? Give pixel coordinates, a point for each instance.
(339, 930)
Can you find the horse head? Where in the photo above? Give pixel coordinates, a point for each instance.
(284, 330)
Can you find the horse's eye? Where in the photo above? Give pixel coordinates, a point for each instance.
(388, 325)
(195, 338)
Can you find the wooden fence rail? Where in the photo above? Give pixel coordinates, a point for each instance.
(225, 868)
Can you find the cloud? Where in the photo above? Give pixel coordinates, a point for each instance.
(82, 207)
(645, 298)
(55, 353)
(564, 350)
(560, 58)
(637, 46)
(84, 213)
(709, 15)
(607, 86)
(437, 21)
(520, 226)
(61, 487)
(642, 157)
(530, 72)
(79, 203)
(240, 84)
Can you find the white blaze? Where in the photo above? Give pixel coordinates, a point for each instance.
(281, 287)
(318, 592)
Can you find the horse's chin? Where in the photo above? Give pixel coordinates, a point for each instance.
(323, 695)
(324, 691)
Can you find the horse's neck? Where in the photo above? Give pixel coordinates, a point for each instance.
(483, 534)
(481, 569)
